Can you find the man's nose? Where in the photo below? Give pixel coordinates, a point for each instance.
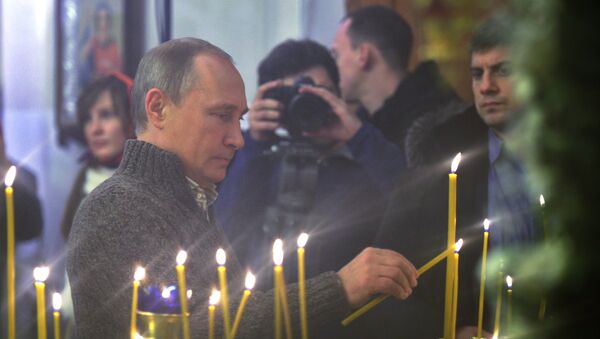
(95, 125)
(235, 139)
(488, 84)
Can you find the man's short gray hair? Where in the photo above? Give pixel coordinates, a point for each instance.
(170, 68)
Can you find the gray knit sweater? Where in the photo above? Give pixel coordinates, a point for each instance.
(143, 215)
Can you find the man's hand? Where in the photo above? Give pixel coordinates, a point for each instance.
(348, 122)
(376, 271)
(264, 114)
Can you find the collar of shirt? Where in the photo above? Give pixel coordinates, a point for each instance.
(204, 197)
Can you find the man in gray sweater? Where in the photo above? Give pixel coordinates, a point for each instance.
(188, 99)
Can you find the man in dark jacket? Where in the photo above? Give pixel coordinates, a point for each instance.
(372, 47)
(491, 184)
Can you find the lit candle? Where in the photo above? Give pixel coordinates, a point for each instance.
(185, 322)
(249, 284)
(452, 177)
(277, 271)
(139, 275)
(509, 283)
(302, 239)
(56, 305)
(214, 299)
(420, 271)
(486, 229)
(455, 289)
(498, 303)
(10, 248)
(40, 274)
(221, 259)
(542, 309)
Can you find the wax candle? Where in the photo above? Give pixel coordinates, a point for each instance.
(277, 270)
(10, 248)
(509, 283)
(455, 294)
(214, 299)
(56, 305)
(486, 229)
(40, 274)
(498, 303)
(278, 261)
(138, 275)
(452, 178)
(180, 268)
(542, 309)
(362, 310)
(249, 284)
(302, 239)
(221, 259)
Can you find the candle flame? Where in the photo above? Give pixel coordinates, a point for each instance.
(278, 252)
(181, 257)
(9, 178)
(166, 292)
(509, 281)
(215, 297)
(250, 281)
(140, 274)
(189, 294)
(56, 301)
(302, 239)
(138, 336)
(221, 257)
(41, 273)
(542, 200)
(458, 245)
(486, 224)
(455, 162)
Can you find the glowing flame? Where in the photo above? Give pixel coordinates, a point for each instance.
(486, 225)
(542, 200)
(458, 245)
(509, 281)
(278, 252)
(189, 294)
(181, 257)
(140, 274)
(221, 257)
(455, 162)
(250, 281)
(40, 274)
(302, 239)
(138, 336)
(56, 301)
(9, 178)
(215, 297)
(166, 292)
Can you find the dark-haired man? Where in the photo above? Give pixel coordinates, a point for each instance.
(372, 47)
(492, 184)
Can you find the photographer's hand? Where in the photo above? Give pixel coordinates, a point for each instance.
(348, 122)
(263, 116)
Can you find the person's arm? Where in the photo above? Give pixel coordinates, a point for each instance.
(28, 209)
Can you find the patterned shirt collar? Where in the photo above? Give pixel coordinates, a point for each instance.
(204, 197)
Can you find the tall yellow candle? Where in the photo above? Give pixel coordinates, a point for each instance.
(542, 309)
(509, 283)
(249, 284)
(498, 304)
(56, 305)
(180, 268)
(452, 178)
(10, 248)
(455, 296)
(221, 259)
(302, 239)
(278, 260)
(362, 310)
(214, 299)
(40, 274)
(138, 275)
(486, 234)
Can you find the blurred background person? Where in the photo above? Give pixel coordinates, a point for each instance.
(103, 115)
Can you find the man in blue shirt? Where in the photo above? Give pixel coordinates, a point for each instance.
(491, 184)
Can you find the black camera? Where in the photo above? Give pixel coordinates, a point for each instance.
(302, 112)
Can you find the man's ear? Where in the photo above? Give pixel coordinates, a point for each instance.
(156, 103)
(365, 55)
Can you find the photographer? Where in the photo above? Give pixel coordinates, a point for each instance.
(339, 192)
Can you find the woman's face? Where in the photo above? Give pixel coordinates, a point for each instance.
(103, 130)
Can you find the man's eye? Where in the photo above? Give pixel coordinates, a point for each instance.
(476, 74)
(106, 114)
(505, 70)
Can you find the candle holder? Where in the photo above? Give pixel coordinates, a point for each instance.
(159, 313)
